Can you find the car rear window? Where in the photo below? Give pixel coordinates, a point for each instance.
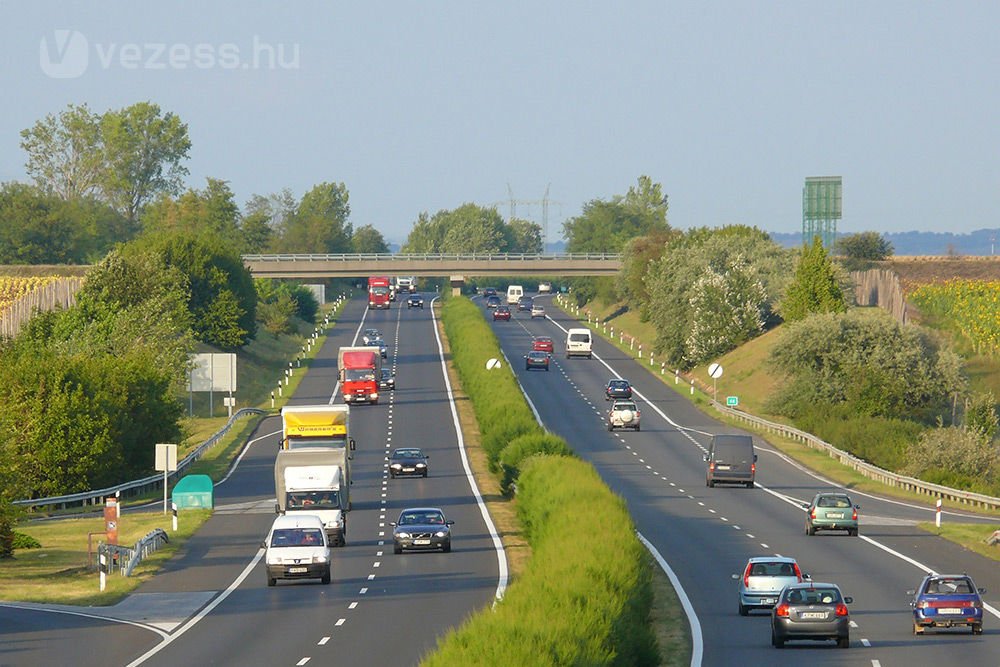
(833, 501)
(579, 337)
(949, 587)
(772, 569)
(813, 596)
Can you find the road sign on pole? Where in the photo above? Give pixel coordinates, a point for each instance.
(166, 460)
(732, 401)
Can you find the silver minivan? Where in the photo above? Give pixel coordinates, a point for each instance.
(731, 460)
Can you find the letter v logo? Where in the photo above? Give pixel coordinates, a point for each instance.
(68, 57)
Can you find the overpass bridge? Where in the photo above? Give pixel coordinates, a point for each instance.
(458, 267)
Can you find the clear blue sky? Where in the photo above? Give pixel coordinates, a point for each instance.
(419, 106)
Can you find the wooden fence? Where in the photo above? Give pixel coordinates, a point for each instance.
(58, 294)
(880, 287)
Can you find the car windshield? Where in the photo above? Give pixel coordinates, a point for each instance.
(841, 502)
(297, 537)
(359, 375)
(948, 587)
(407, 454)
(419, 518)
(813, 596)
(336, 442)
(772, 569)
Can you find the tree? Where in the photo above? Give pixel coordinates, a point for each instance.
(815, 288)
(608, 226)
(211, 210)
(860, 250)
(425, 236)
(320, 222)
(66, 153)
(367, 239)
(40, 228)
(473, 229)
(637, 256)
(524, 236)
(143, 150)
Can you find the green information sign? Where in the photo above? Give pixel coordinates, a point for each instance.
(732, 401)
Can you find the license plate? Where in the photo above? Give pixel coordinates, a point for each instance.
(949, 610)
(813, 614)
(834, 515)
(408, 469)
(297, 570)
(421, 542)
(768, 601)
(722, 467)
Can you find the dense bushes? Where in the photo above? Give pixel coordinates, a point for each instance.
(572, 606)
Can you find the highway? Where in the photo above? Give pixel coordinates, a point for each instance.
(211, 605)
(706, 534)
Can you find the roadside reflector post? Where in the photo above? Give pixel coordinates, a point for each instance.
(612, 332)
(173, 509)
(937, 514)
(640, 351)
(631, 343)
(663, 367)
(103, 566)
(692, 386)
(677, 376)
(272, 399)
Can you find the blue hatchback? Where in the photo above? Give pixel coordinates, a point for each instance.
(947, 601)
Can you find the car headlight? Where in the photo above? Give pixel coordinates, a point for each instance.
(441, 533)
(319, 559)
(403, 536)
(396, 466)
(421, 465)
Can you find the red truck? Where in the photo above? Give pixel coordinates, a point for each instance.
(379, 293)
(359, 369)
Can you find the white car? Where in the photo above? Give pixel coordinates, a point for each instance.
(544, 288)
(537, 311)
(296, 547)
(624, 414)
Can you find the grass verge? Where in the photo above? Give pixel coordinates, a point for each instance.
(972, 536)
(62, 572)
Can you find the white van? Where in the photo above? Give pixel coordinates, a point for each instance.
(296, 547)
(514, 293)
(578, 343)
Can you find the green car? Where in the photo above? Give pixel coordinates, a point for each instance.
(831, 511)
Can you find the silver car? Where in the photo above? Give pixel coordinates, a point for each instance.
(762, 581)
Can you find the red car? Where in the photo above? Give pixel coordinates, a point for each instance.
(542, 344)
(501, 313)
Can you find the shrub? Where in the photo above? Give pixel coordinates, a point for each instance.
(23, 541)
(954, 455)
(881, 441)
(519, 449)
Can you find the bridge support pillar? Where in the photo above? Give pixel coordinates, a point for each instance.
(457, 283)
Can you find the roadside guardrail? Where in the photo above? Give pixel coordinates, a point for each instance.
(139, 486)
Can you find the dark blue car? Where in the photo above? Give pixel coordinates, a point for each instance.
(947, 601)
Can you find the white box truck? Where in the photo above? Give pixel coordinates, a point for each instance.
(314, 481)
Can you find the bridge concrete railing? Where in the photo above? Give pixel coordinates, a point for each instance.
(435, 264)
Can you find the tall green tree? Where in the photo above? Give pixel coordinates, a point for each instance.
(320, 223)
(815, 288)
(143, 152)
(858, 251)
(66, 153)
(638, 256)
(606, 226)
(213, 210)
(367, 239)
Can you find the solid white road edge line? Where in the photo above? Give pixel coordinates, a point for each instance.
(201, 614)
(494, 535)
(697, 642)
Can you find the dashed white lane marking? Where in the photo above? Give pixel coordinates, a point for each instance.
(323, 641)
(750, 536)
(340, 621)
(866, 643)
(764, 545)
(736, 527)
(353, 605)
(724, 519)
(712, 510)
(378, 553)
(377, 564)
(363, 591)
(371, 577)
(302, 661)
(876, 663)
(853, 624)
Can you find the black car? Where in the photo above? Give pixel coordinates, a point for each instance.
(388, 379)
(536, 359)
(811, 611)
(421, 528)
(524, 303)
(407, 461)
(370, 335)
(617, 388)
(493, 301)
(382, 347)
(415, 301)
(489, 291)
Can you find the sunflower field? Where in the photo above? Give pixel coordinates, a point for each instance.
(971, 308)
